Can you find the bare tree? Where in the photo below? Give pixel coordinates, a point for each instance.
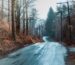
(13, 19)
(17, 17)
(28, 3)
(24, 16)
(2, 8)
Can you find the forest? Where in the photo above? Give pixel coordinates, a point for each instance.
(18, 27)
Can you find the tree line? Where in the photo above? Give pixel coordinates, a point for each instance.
(57, 23)
(20, 14)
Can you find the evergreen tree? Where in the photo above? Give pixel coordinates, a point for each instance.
(63, 9)
(49, 23)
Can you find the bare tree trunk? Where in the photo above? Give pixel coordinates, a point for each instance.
(13, 20)
(18, 23)
(9, 14)
(17, 18)
(2, 9)
(24, 17)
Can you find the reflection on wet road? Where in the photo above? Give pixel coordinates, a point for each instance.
(37, 54)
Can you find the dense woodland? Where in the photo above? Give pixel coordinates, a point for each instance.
(18, 20)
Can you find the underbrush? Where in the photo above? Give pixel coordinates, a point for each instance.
(7, 45)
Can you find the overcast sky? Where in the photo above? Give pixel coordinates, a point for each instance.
(43, 7)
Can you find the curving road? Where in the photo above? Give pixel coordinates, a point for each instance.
(37, 54)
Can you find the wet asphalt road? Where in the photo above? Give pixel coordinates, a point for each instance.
(37, 54)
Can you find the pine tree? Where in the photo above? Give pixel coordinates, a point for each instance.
(49, 23)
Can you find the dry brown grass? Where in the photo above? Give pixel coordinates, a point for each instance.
(7, 44)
